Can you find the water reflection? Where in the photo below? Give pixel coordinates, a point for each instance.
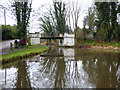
(118, 74)
(64, 68)
(118, 70)
(101, 68)
(16, 76)
(23, 80)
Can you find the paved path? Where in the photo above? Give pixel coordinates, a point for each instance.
(5, 46)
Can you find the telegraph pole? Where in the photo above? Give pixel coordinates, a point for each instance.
(5, 16)
(5, 28)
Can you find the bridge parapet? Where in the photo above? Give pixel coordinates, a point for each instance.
(34, 38)
(34, 35)
(68, 40)
(69, 35)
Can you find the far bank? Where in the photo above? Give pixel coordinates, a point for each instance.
(99, 46)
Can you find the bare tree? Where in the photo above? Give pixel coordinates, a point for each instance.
(90, 18)
(6, 10)
(74, 10)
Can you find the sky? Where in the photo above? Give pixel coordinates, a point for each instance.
(39, 6)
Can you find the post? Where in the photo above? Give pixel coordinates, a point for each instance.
(10, 46)
(5, 76)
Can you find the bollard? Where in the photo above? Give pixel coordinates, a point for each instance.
(10, 46)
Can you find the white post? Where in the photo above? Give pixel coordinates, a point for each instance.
(61, 41)
(69, 39)
(35, 39)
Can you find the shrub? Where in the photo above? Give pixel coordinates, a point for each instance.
(9, 32)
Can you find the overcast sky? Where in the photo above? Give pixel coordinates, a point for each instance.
(38, 4)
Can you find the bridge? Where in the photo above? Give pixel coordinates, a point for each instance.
(51, 37)
(66, 40)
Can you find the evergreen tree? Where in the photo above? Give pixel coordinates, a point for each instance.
(114, 25)
(118, 11)
(103, 20)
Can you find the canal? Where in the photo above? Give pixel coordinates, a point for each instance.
(63, 68)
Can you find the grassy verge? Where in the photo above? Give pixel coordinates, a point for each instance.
(93, 43)
(32, 50)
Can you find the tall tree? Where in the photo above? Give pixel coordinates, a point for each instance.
(46, 25)
(118, 11)
(84, 27)
(103, 20)
(22, 10)
(90, 18)
(74, 10)
(107, 26)
(59, 11)
(114, 25)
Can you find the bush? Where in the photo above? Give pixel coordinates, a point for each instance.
(9, 32)
(79, 35)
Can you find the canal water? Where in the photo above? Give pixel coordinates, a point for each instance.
(63, 68)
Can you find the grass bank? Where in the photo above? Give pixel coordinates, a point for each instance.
(108, 46)
(24, 53)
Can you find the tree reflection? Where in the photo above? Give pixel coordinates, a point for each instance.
(55, 66)
(101, 68)
(59, 74)
(63, 72)
(23, 80)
